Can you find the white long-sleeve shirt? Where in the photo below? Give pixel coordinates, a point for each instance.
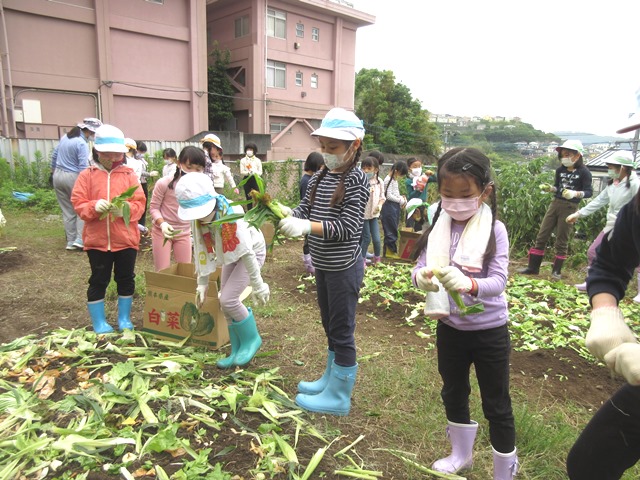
(393, 192)
(616, 196)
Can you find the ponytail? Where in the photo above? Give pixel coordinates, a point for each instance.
(176, 177)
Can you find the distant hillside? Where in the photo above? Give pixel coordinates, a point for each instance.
(589, 138)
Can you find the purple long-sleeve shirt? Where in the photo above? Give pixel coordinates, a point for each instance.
(492, 282)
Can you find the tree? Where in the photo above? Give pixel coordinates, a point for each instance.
(394, 120)
(220, 89)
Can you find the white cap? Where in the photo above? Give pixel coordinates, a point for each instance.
(621, 157)
(210, 137)
(633, 122)
(109, 139)
(340, 124)
(130, 143)
(572, 145)
(196, 196)
(90, 124)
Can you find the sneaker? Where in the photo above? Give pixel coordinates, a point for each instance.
(78, 244)
(143, 230)
(582, 287)
(70, 246)
(369, 255)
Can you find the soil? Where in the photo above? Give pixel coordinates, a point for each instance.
(43, 288)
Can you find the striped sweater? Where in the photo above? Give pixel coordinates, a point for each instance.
(339, 246)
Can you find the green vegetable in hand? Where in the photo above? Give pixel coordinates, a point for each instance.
(121, 202)
(457, 298)
(265, 208)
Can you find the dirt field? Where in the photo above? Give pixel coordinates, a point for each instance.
(43, 287)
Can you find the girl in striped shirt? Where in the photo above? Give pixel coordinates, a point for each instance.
(332, 214)
(390, 213)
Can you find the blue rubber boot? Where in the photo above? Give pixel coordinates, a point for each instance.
(249, 339)
(124, 313)
(98, 317)
(335, 399)
(235, 346)
(314, 388)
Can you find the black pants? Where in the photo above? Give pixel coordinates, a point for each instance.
(143, 218)
(251, 184)
(488, 350)
(610, 443)
(122, 263)
(390, 218)
(337, 298)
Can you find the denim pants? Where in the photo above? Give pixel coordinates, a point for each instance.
(102, 263)
(488, 350)
(610, 443)
(337, 298)
(390, 217)
(370, 232)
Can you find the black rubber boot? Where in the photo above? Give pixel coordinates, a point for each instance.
(534, 265)
(556, 271)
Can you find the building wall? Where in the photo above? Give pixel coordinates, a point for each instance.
(132, 63)
(332, 59)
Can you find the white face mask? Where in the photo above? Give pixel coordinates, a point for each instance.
(415, 172)
(249, 153)
(613, 173)
(333, 161)
(567, 162)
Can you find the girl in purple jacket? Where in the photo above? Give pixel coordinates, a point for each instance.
(469, 250)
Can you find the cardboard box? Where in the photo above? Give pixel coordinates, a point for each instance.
(170, 311)
(407, 241)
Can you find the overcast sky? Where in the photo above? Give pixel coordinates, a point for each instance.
(561, 65)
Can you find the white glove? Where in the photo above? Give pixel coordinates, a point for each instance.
(377, 209)
(607, 331)
(201, 295)
(167, 230)
(3, 221)
(545, 187)
(573, 218)
(424, 282)
(261, 294)
(452, 278)
(286, 211)
(625, 361)
(102, 206)
(295, 227)
(154, 173)
(569, 194)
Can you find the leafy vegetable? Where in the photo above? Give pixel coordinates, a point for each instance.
(457, 298)
(265, 209)
(121, 202)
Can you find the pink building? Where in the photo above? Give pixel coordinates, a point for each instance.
(291, 61)
(142, 65)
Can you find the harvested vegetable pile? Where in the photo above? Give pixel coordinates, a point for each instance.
(131, 406)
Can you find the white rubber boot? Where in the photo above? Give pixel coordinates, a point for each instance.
(505, 465)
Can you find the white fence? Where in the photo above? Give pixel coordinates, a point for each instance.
(27, 148)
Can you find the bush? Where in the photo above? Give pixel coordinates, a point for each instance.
(27, 177)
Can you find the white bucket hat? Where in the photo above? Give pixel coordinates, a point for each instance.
(130, 143)
(196, 196)
(210, 137)
(109, 139)
(621, 157)
(90, 124)
(572, 145)
(340, 124)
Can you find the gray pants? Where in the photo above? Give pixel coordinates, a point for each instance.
(63, 183)
(555, 219)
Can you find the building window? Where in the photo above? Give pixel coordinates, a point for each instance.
(276, 74)
(242, 26)
(315, 34)
(277, 127)
(298, 79)
(276, 23)
(300, 30)
(314, 81)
